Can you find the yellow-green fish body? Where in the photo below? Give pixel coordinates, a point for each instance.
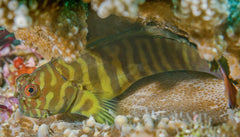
(102, 72)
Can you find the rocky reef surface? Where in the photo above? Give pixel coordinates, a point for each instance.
(49, 29)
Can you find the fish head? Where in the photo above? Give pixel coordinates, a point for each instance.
(44, 92)
(30, 96)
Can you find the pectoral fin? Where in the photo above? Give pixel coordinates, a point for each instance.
(107, 110)
(88, 103)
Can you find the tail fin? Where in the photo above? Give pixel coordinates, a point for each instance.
(230, 89)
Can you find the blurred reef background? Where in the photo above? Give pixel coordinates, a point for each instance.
(34, 31)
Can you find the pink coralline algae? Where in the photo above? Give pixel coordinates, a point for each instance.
(7, 106)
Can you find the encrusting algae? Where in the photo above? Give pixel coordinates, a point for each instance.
(150, 106)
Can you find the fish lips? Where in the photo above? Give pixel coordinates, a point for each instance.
(32, 112)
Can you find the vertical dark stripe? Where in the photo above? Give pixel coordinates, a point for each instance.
(56, 89)
(191, 55)
(92, 71)
(136, 57)
(168, 51)
(64, 70)
(43, 94)
(157, 47)
(78, 71)
(124, 50)
(173, 53)
(150, 50)
(147, 54)
(110, 69)
(186, 61)
(180, 50)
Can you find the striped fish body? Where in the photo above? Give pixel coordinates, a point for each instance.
(101, 73)
(109, 68)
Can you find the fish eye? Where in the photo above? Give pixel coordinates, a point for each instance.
(31, 91)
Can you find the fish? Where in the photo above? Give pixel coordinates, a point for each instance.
(104, 70)
(184, 93)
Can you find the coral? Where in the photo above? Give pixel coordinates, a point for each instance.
(210, 24)
(148, 125)
(234, 61)
(233, 40)
(201, 20)
(16, 14)
(125, 8)
(7, 14)
(214, 28)
(49, 45)
(56, 28)
(191, 20)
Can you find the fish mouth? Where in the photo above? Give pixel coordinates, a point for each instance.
(37, 113)
(33, 112)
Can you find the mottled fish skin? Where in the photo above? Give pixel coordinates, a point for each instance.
(184, 93)
(103, 71)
